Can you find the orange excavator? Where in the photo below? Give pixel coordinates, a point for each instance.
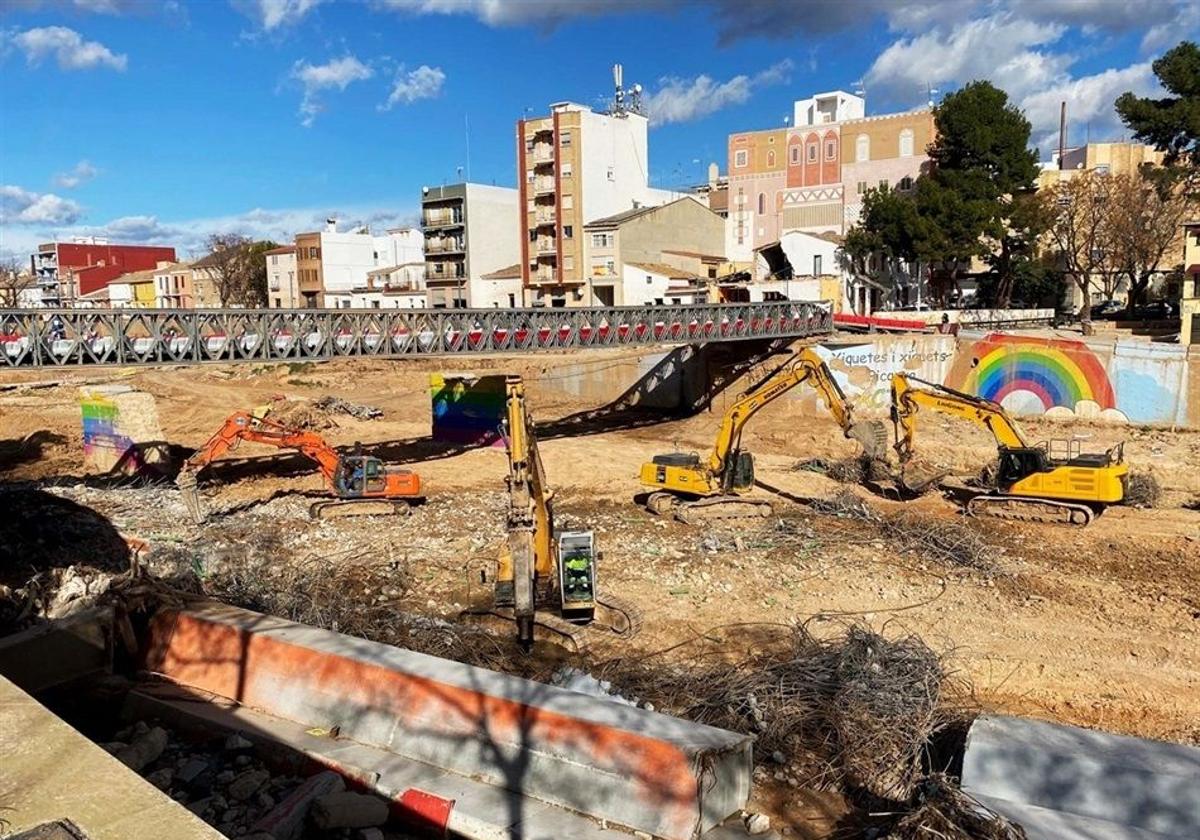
(359, 484)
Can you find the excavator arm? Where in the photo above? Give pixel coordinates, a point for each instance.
(804, 366)
(257, 428)
(908, 401)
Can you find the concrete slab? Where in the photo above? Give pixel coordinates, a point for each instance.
(59, 651)
(1044, 824)
(649, 771)
(51, 772)
(1131, 783)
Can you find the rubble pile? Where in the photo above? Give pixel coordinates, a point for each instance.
(224, 782)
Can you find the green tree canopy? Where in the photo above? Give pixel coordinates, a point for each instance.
(1172, 123)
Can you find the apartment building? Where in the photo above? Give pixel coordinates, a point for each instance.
(1105, 158)
(63, 271)
(574, 166)
(283, 290)
(683, 235)
(173, 286)
(469, 232)
(331, 265)
(810, 176)
(135, 290)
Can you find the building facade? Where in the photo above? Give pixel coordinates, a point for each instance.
(173, 286)
(574, 166)
(1107, 158)
(1189, 295)
(65, 270)
(283, 290)
(469, 232)
(683, 235)
(811, 176)
(332, 265)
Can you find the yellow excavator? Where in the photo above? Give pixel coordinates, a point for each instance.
(543, 577)
(717, 487)
(1044, 483)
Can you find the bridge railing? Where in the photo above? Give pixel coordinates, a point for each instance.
(86, 337)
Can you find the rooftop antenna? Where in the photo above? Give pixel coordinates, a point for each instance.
(931, 92)
(860, 89)
(619, 106)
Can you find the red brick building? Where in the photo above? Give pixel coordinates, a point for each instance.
(66, 270)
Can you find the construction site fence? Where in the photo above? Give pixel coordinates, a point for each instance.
(91, 337)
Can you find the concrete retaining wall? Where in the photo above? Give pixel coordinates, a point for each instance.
(647, 771)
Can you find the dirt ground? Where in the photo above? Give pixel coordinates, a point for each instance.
(1097, 626)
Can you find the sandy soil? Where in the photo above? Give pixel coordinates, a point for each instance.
(1096, 626)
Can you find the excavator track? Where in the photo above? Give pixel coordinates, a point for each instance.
(1029, 509)
(619, 615)
(711, 509)
(615, 615)
(336, 508)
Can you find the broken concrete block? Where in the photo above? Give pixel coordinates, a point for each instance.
(161, 779)
(286, 820)
(758, 823)
(236, 742)
(144, 749)
(349, 810)
(247, 784)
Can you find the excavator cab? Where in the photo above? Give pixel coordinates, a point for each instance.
(577, 575)
(1019, 463)
(739, 475)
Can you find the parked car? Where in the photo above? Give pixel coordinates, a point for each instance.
(1159, 310)
(1106, 310)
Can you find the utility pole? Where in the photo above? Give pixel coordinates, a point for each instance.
(1062, 133)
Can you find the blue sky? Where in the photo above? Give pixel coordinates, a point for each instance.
(166, 121)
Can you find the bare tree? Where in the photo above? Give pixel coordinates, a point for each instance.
(1079, 207)
(14, 281)
(227, 266)
(1143, 226)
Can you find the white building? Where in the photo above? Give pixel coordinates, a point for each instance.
(810, 266)
(283, 292)
(658, 284)
(341, 264)
(470, 232)
(832, 107)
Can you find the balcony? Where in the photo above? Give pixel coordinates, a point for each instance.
(545, 216)
(443, 246)
(546, 246)
(543, 186)
(542, 153)
(433, 219)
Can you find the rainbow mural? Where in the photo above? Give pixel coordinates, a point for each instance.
(120, 430)
(1024, 373)
(467, 409)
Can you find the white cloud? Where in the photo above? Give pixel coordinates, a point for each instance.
(423, 83)
(189, 236)
(68, 48)
(314, 78)
(999, 48)
(1089, 103)
(275, 14)
(684, 100)
(81, 173)
(23, 207)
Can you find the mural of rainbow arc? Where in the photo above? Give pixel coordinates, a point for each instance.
(1057, 372)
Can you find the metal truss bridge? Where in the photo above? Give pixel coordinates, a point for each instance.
(33, 338)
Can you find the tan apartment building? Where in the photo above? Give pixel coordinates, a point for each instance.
(886, 152)
(173, 286)
(310, 281)
(204, 283)
(1120, 158)
(573, 166)
(283, 290)
(683, 235)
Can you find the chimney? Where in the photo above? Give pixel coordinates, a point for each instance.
(1062, 133)
(331, 225)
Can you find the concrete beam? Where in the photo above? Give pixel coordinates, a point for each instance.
(1125, 782)
(650, 772)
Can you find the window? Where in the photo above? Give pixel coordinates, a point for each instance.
(906, 143)
(906, 183)
(762, 203)
(602, 240)
(862, 148)
(565, 138)
(274, 260)
(611, 174)
(568, 263)
(830, 149)
(533, 235)
(795, 154)
(862, 187)
(883, 185)
(817, 265)
(812, 152)
(566, 170)
(740, 158)
(529, 144)
(568, 202)
(771, 158)
(649, 279)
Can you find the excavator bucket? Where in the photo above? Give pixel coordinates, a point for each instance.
(186, 482)
(918, 476)
(873, 436)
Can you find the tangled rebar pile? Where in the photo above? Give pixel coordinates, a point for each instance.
(943, 541)
(942, 810)
(853, 710)
(1143, 490)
